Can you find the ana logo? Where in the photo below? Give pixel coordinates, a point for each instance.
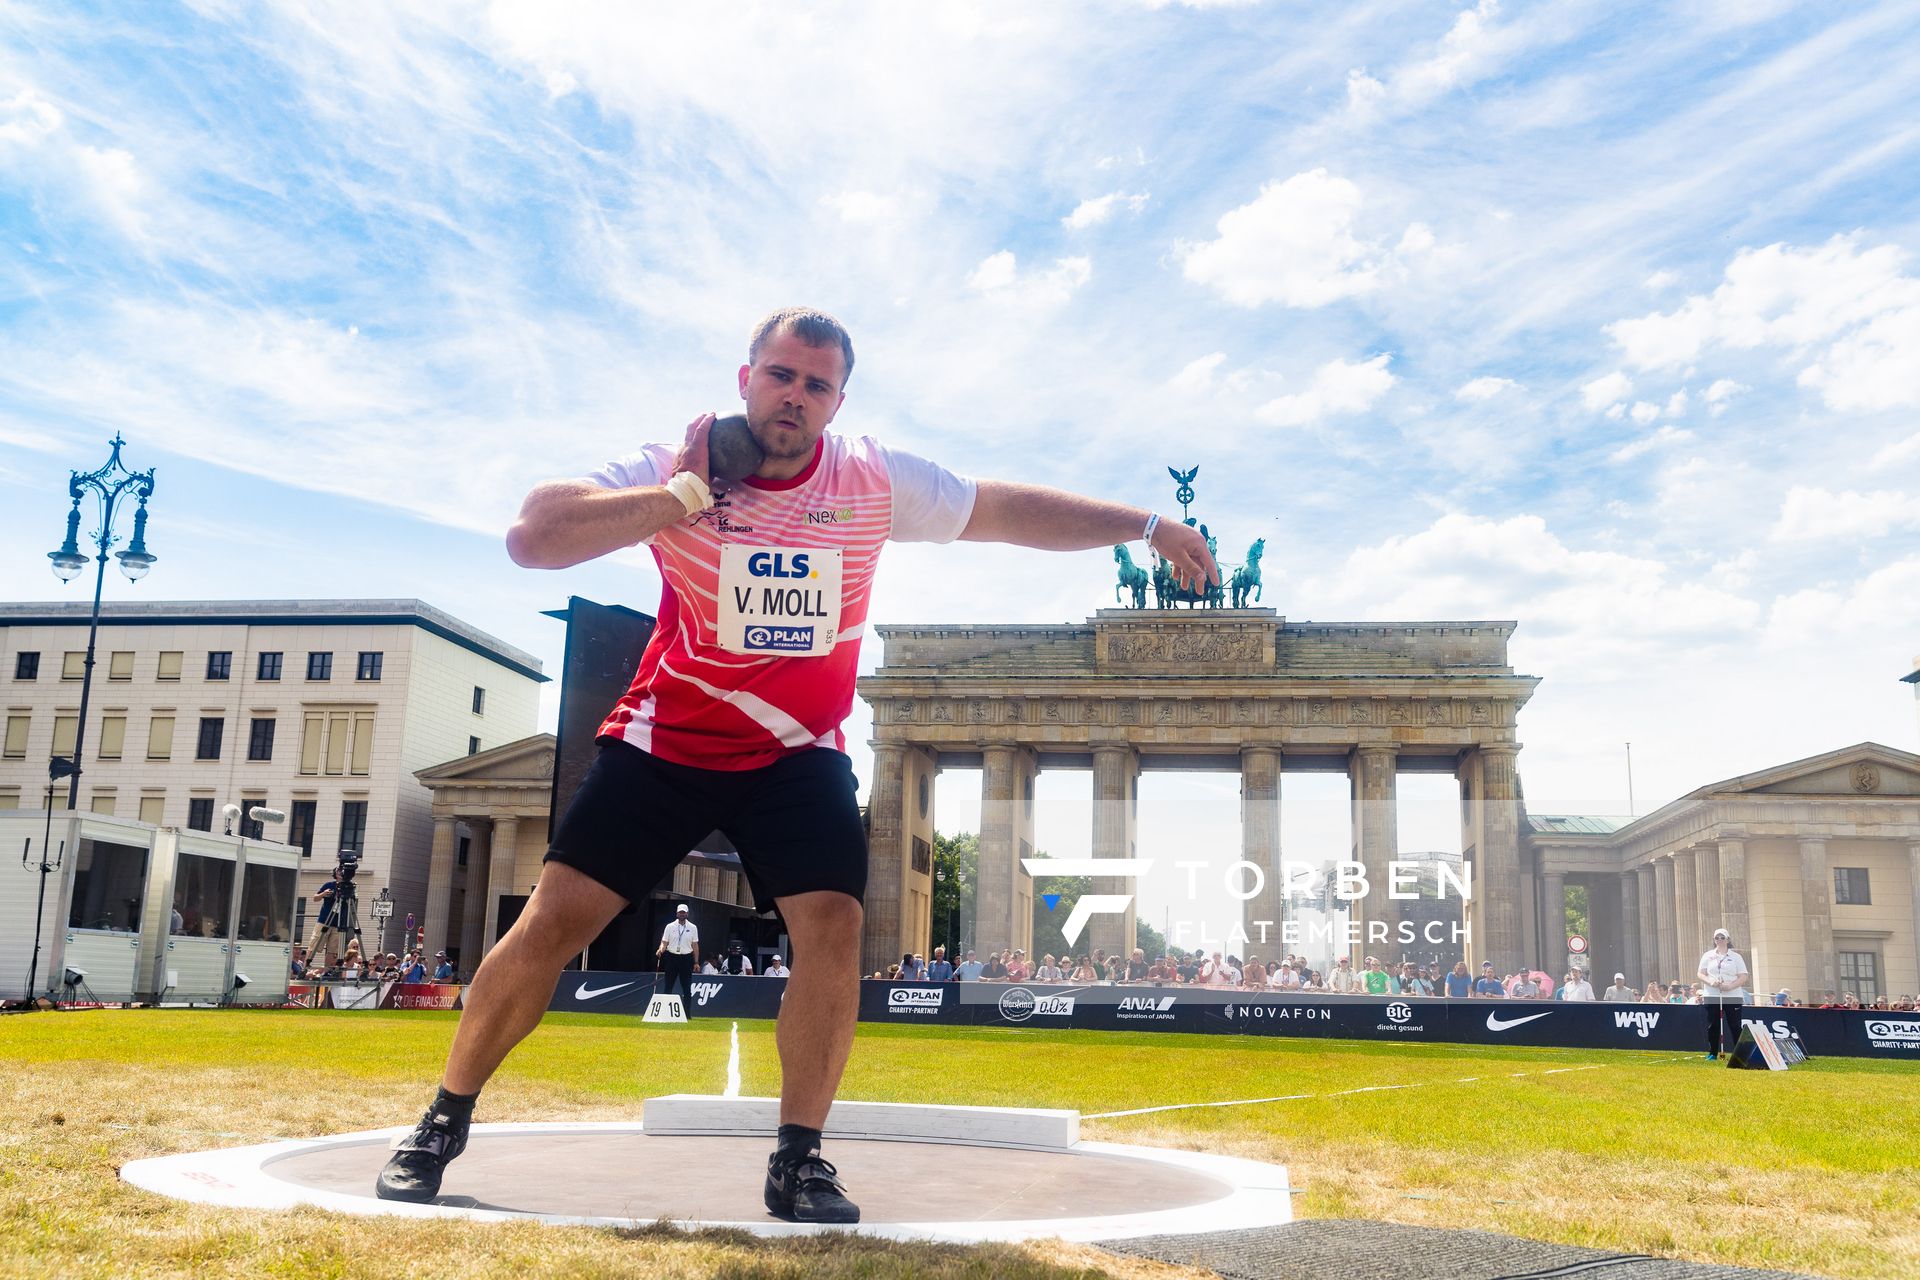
(1398, 1011)
(1641, 1020)
(705, 991)
(776, 564)
(800, 638)
(1016, 1004)
(920, 1000)
(1497, 1023)
(830, 517)
(1144, 1007)
(1090, 904)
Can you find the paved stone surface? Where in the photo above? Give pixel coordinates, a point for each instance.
(1346, 1249)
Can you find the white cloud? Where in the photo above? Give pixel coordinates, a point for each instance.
(1676, 404)
(1339, 387)
(1647, 444)
(1296, 243)
(1809, 514)
(1900, 451)
(1660, 280)
(1089, 213)
(1721, 394)
(862, 206)
(1644, 412)
(999, 277)
(1197, 375)
(1850, 317)
(1474, 48)
(1606, 390)
(1483, 388)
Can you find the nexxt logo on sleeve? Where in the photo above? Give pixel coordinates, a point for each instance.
(779, 600)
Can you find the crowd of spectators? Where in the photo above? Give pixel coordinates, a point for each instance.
(351, 966)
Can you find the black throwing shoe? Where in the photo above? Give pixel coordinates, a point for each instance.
(420, 1160)
(807, 1189)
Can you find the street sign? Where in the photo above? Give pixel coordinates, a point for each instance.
(1577, 944)
(382, 908)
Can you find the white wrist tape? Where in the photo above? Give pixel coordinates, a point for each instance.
(1153, 522)
(692, 491)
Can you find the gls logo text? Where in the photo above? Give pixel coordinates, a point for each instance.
(775, 564)
(1090, 904)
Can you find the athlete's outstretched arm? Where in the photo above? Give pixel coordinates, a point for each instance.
(566, 522)
(1032, 515)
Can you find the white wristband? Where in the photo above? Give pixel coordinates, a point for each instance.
(692, 491)
(1153, 522)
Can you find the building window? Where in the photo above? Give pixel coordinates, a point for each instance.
(220, 665)
(300, 918)
(300, 826)
(211, 729)
(153, 810)
(65, 729)
(260, 739)
(1860, 974)
(248, 827)
(336, 742)
(473, 746)
(113, 736)
(369, 666)
(466, 844)
(120, 665)
(479, 701)
(320, 666)
(74, 665)
(1850, 888)
(353, 825)
(170, 665)
(108, 883)
(103, 803)
(200, 813)
(26, 666)
(160, 738)
(270, 666)
(16, 744)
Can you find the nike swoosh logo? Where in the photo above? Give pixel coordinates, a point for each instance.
(1497, 1023)
(588, 993)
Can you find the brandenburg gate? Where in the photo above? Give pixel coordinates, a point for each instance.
(1213, 689)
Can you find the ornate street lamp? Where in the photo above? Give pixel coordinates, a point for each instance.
(111, 482)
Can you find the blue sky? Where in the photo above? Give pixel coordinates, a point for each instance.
(1601, 317)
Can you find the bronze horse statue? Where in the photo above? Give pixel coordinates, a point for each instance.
(1132, 577)
(1246, 579)
(1168, 594)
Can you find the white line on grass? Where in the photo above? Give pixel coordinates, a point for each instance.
(1308, 1097)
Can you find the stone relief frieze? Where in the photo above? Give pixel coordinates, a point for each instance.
(1205, 646)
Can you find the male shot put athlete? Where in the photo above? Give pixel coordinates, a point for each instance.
(734, 718)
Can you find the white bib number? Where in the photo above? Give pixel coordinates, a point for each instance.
(779, 601)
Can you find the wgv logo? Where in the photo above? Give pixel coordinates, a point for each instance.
(775, 564)
(1090, 904)
(1641, 1020)
(705, 991)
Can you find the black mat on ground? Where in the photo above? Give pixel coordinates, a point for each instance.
(1351, 1249)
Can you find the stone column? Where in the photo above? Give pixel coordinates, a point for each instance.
(1372, 774)
(886, 875)
(505, 846)
(1706, 878)
(1664, 918)
(996, 923)
(728, 890)
(473, 918)
(1913, 881)
(706, 882)
(1733, 896)
(1115, 766)
(1500, 856)
(1630, 928)
(1553, 919)
(1260, 845)
(1686, 911)
(1816, 899)
(440, 882)
(1649, 926)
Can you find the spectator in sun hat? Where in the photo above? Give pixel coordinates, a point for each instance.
(1619, 990)
(777, 968)
(416, 970)
(442, 972)
(1343, 980)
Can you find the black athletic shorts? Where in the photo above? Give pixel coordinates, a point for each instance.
(795, 822)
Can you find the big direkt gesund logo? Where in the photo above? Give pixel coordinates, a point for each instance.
(1090, 904)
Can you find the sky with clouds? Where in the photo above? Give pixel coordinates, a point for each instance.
(1600, 317)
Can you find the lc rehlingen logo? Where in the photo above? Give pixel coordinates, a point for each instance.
(1246, 881)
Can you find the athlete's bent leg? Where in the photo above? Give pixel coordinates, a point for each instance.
(504, 1002)
(814, 1034)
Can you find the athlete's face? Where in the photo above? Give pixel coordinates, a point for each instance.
(792, 392)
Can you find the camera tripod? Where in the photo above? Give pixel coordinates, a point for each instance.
(344, 919)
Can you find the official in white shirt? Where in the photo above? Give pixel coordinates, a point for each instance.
(1723, 978)
(679, 952)
(778, 970)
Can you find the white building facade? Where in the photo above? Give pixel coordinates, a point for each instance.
(324, 709)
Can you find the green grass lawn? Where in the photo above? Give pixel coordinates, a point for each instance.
(1810, 1170)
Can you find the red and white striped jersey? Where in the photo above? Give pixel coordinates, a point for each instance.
(696, 703)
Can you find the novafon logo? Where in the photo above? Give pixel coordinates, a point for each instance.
(1641, 1020)
(916, 1000)
(704, 991)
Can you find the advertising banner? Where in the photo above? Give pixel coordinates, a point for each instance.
(421, 995)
